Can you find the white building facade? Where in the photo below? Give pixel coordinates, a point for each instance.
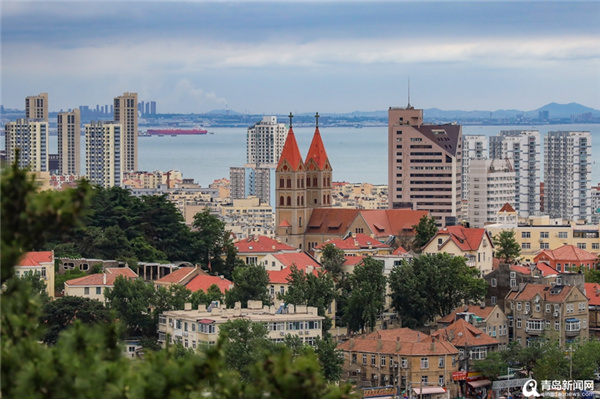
(474, 147)
(265, 142)
(104, 153)
(567, 175)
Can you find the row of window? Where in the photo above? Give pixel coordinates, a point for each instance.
(570, 307)
(539, 325)
(390, 360)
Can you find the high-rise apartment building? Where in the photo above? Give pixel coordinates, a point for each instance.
(522, 147)
(424, 165)
(567, 175)
(30, 137)
(36, 107)
(125, 111)
(69, 138)
(595, 198)
(490, 186)
(265, 142)
(251, 181)
(474, 147)
(103, 153)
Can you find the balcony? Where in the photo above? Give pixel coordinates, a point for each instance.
(572, 327)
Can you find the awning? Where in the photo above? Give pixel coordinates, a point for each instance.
(206, 321)
(428, 390)
(479, 383)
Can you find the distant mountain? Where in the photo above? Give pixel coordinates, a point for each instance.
(563, 110)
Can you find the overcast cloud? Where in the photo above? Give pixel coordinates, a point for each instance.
(275, 57)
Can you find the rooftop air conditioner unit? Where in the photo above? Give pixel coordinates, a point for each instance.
(526, 312)
(555, 314)
(300, 332)
(282, 333)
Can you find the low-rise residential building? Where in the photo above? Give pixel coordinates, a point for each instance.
(489, 319)
(195, 327)
(538, 233)
(592, 292)
(558, 311)
(568, 258)
(40, 264)
(248, 217)
(94, 286)
(143, 179)
(409, 359)
(202, 282)
(473, 244)
(180, 276)
(254, 249)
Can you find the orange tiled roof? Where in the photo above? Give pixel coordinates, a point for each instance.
(399, 251)
(204, 281)
(567, 252)
(530, 291)
(462, 333)
(176, 276)
(353, 260)
(403, 334)
(121, 271)
(359, 240)
(281, 276)
(260, 244)
(521, 269)
(476, 310)
(545, 269)
(290, 153)
(467, 239)
(92, 280)
(592, 292)
(425, 347)
(316, 151)
(507, 208)
(36, 258)
(300, 259)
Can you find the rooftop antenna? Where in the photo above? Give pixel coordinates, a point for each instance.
(408, 106)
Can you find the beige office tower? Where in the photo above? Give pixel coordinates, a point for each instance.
(69, 139)
(424, 165)
(36, 107)
(125, 108)
(31, 138)
(103, 153)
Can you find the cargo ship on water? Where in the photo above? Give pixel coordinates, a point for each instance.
(174, 132)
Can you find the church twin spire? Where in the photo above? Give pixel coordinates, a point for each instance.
(291, 153)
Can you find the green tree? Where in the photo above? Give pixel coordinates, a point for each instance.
(507, 247)
(38, 285)
(61, 313)
(246, 343)
(493, 366)
(250, 282)
(330, 359)
(367, 295)
(586, 359)
(60, 279)
(433, 285)
(131, 300)
(211, 241)
(425, 230)
(333, 260)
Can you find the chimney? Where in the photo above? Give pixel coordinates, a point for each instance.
(187, 306)
(104, 278)
(398, 344)
(418, 337)
(433, 345)
(351, 343)
(379, 345)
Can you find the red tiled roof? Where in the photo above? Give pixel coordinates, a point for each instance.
(93, 280)
(567, 252)
(353, 260)
(331, 221)
(592, 292)
(285, 223)
(476, 310)
(290, 153)
(260, 244)
(300, 259)
(467, 239)
(407, 344)
(281, 276)
(521, 269)
(203, 282)
(462, 333)
(36, 258)
(399, 251)
(545, 269)
(357, 241)
(176, 276)
(121, 271)
(531, 290)
(507, 208)
(316, 151)
(403, 334)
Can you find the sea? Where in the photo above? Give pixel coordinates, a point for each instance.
(356, 154)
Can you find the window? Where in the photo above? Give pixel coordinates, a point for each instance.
(544, 234)
(570, 307)
(581, 245)
(98, 290)
(478, 353)
(572, 325)
(544, 245)
(527, 309)
(595, 245)
(86, 291)
(373, 360)
(518, 323)
(364, 359)
(441, 362)
(382, 361)
(525, 234)
(424, 362)
(441, 380)
(538, 307)
(354, 358)
(404, 363)
(519, 307)
(494, 282)
(493, 300)
(513, 282)
(535, 325)
(548, 308)
(581, 307)
(424, 380)
(557, 325)
(526, 245)
(562, 234)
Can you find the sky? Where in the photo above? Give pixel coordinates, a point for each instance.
(276, 57)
